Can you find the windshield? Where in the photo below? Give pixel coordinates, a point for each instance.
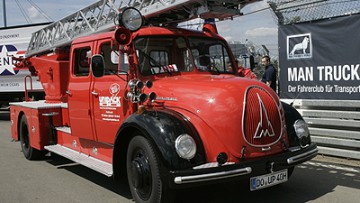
(167, 54)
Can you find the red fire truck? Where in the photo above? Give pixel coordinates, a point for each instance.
(144, 100)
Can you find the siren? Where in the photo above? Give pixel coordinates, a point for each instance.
(123, 36)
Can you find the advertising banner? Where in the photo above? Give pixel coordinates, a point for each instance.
(320, 60)
(13, 43)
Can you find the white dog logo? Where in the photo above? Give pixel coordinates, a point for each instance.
(301, 46)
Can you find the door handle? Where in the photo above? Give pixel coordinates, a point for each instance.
(68, 92)
(95, 93)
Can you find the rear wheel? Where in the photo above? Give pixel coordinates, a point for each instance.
(143, 171)
(29, 152)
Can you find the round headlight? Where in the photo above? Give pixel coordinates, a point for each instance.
(131, 19)
(185, 146)
(301, 128)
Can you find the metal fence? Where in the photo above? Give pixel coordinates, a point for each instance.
(334, 125)
(295, 11)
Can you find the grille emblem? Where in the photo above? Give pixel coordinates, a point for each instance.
(262, 123)
(263, 129)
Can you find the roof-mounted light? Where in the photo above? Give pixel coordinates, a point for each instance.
(131, 19)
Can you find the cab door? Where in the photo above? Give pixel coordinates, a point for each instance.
(109, 104)
(79, 91)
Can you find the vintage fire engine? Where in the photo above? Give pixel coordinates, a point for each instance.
(144, 100)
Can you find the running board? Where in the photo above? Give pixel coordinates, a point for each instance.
(83, 159)
(64, 129)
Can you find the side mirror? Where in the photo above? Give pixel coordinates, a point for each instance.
(97, 66)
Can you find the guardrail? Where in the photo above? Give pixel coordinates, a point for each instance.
(334, 125)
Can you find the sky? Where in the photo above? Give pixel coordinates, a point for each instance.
(259, 28)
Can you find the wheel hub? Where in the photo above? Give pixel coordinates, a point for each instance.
(140, 172)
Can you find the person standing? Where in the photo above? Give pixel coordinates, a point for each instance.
(269, 76)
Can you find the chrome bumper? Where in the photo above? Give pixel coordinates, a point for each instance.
(301, 157)
(212, 171)
(212, 176)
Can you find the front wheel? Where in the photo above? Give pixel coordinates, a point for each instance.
(142, 164)
(29, 152)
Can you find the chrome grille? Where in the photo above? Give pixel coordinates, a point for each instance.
(262, 122)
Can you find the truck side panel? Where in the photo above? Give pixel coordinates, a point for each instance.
(38, 122)
(90, 148)
(54, 76)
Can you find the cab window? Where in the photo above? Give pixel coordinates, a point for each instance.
(210, 55)
(112, 57)
(124, 63)
(159, 54)
(111, 60)
(160, 57)
(81, 62)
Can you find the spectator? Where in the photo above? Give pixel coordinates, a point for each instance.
(269, 76)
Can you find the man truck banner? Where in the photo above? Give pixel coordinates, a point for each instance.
(320, 60)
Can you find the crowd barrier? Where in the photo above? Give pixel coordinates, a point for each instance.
(334, 125)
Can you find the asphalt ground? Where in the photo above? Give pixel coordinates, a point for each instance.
(56, 179)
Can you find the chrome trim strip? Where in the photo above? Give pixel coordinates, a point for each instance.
(301, 157)
(211, 165)
(64, 129)
(212, 176)
(40, 105)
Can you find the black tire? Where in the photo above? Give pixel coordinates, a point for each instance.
(143, 169)
(29, 152)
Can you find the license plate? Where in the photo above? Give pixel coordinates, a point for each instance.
(268, 180)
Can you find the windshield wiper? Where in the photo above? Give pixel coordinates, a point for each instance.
(155, 62)
(217, 70)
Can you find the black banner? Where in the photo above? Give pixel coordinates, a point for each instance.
(320, 60)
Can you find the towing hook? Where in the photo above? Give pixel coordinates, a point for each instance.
(270, 167)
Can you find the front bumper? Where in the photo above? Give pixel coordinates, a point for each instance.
(212, 173)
